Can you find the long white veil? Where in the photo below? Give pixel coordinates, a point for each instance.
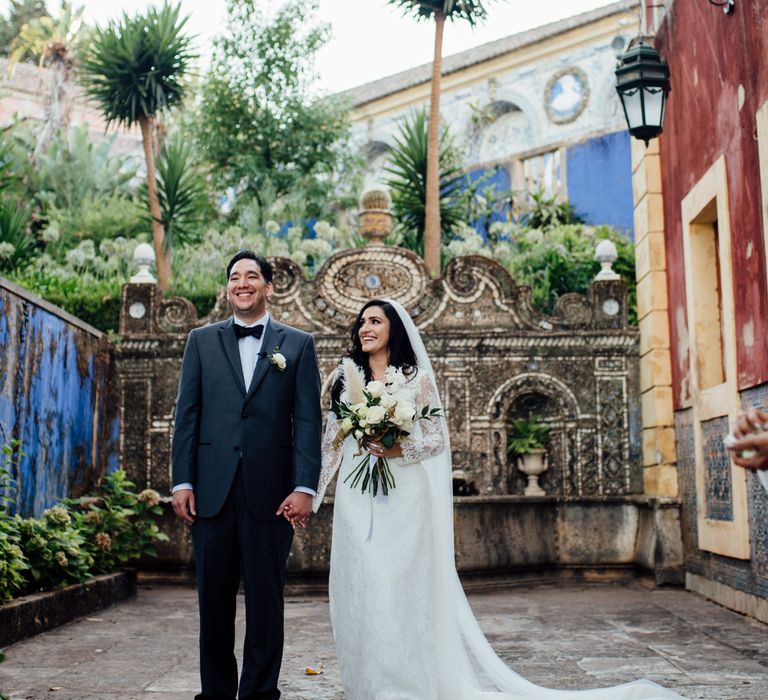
(469, 667)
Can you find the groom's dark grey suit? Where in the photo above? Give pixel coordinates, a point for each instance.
(244, 452)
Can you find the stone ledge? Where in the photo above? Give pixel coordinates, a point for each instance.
(38, 612)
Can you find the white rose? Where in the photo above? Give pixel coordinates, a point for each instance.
(347, 425)
(358, 434)
(404, 411)
(376, 414)
(387, 401)
(279, 359)
(361, 410)
(376, 389)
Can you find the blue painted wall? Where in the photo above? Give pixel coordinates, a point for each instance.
(53, 383)
(599, 177)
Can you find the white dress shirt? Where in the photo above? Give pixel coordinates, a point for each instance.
(249, 348)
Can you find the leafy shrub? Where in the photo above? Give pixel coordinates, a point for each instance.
(55, 550)
(13, 563)
(552, 262)
(71, 542)
(118, 527)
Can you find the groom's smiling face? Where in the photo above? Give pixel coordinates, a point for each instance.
(247, 291)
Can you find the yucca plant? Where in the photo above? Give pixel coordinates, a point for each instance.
(182, 191)
(16, 242)
(470, 11)
(408, 181)
(134, 69)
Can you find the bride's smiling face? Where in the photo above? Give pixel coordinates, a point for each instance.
(374, 330)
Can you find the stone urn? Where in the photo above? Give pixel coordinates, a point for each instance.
(533, 464)
(375, 216)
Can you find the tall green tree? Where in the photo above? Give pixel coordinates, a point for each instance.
(260, 126)
(470, 11)
(134, 69)
(54, 42)
(19, 13)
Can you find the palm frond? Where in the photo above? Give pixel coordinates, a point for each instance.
(137, 66)
(471, 11)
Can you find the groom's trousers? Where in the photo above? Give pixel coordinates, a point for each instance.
(227, 546)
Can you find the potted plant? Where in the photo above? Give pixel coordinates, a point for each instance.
(528, 440)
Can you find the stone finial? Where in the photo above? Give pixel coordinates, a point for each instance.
(375, 216)
(606, 255)
(144, 258)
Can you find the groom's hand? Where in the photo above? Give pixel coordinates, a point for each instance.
(296, 508)
(184, 504)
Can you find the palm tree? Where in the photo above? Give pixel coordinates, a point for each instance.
(470, 11)
(55, 42)
(134, 69)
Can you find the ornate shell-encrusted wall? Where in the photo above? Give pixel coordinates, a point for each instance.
(491, 350)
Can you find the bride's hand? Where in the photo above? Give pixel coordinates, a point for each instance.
(378, 450)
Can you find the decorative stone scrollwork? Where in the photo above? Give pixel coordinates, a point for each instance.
(287, 278)
(573, 310)
(351, 278)
(176, 315)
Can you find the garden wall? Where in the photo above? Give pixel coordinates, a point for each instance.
(54, 373)
(496, 360)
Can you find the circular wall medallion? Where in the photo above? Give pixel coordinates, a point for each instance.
(566, 95)
(137, 310)
(373, 281)
(611, 307)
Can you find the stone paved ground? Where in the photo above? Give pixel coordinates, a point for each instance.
(568, 637)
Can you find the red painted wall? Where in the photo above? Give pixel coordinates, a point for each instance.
(710, 54)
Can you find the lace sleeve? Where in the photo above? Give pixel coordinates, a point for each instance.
(427, 439)
(331, 458)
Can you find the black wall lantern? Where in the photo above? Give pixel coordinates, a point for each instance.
(642, 81)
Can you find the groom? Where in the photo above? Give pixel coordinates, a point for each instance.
(246, 460)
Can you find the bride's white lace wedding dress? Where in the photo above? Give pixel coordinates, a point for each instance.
(403, 627)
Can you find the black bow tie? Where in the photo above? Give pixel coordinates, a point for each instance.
(245, 331)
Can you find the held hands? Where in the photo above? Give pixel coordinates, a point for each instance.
(184, 505)
(296, 509)
(750, 443)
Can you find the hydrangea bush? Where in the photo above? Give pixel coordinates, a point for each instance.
(72, 542)
(552, 262)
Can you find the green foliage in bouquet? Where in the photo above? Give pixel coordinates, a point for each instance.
(527, 434)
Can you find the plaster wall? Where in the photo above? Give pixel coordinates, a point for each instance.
(719, 70)
(53, 385)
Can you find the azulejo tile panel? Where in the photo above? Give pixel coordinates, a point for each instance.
(717, 469)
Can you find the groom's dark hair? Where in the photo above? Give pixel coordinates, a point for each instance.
(401, 352)
(262, 262)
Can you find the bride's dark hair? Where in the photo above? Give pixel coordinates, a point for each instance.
(401, 352)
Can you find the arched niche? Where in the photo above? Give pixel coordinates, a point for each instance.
(549, 400)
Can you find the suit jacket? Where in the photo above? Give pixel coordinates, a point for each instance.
(273, 429)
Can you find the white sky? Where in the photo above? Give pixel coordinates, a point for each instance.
(370, 38)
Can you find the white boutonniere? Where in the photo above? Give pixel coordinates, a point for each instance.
(278, 359)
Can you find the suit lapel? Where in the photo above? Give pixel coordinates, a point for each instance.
(273, 337)
(229, 343)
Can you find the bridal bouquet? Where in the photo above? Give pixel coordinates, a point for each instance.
(378, 411)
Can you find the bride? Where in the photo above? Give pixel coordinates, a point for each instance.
(403, 627)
